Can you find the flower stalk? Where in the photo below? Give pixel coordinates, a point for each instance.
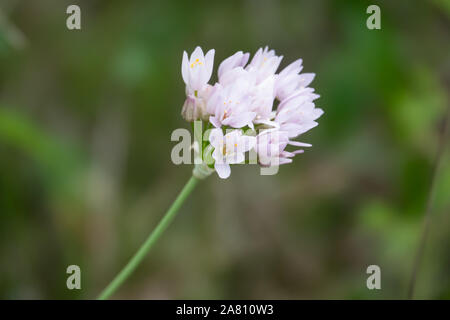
(429, 205)
(151, 240)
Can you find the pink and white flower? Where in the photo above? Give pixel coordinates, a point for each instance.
(229, 106)
(194, 107)
(297, 114)
(262, 99)
(244, 97)
(229, 149)
(271, 145)
(197, 69)
(289, 80)
(264, 64)
(239, 59)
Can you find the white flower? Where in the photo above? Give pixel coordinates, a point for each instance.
(233, 75)
(244, 97)
(289, 80)
(194, 107)
(229, 106)
(297, 114)
(264, 64)
(239, 59)
(262, 98)
(229, 149)
(197, 70)
(271, 145)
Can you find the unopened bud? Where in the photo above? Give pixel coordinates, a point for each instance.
(194, 109)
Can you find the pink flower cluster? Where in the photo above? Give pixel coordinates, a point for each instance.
(278, 107)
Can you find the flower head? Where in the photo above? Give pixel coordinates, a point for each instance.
(244, 97)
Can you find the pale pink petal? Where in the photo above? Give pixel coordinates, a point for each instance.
(248, 143)
(215, 122)
(235, 158)
(185, 68)
(244, 59)
(218, 156)
(285, 161)
(228, 77)
(317, 113)
(223, 170)
(209, 63)
(294, 68)
(197, 54)
(230, 63)
(306, 79)
(216, 138)
(299, 144)
(240, 120)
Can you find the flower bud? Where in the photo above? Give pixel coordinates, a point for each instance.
(194, 109)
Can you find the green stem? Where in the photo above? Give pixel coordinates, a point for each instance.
(151, 240)
(429, 206)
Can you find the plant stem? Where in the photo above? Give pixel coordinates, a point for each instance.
(151, 240)
(429, 205)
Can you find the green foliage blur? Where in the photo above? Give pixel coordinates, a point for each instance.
(85, 172)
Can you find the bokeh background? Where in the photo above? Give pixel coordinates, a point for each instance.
(85, 171)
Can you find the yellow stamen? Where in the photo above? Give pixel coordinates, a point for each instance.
(196, 62)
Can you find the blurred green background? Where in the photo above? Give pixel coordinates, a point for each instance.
(85, 124)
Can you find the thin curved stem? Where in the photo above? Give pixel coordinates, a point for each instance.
(151, 240)
(429, 205)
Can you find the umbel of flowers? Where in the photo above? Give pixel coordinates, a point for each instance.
(251, 107)
(250, 111)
